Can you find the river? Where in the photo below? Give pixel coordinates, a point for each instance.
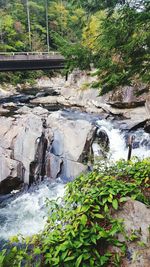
(25, 213)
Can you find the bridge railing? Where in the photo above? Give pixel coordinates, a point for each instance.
(29, 53)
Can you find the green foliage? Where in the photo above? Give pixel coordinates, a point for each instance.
(112, 35)
(21, 77)
(123, 46)
(117, 43)
(81, 229)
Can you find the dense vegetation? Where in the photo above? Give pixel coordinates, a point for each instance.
(81, 228)
(112, 35)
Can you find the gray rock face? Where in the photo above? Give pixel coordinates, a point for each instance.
(70, 138)
(136, 218)
(53, 166)
(35, 144)
(17, 141)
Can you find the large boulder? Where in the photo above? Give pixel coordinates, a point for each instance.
(18, 145)
(136, 219)
(129, 95)
(70, 137)
(35, 144)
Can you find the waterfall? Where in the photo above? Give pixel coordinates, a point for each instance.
(118, 142)
(26, 213)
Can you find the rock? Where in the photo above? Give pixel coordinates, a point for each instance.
(129, 94)
(123, 105)
(147, 126)
(72, 169)
(102, 138)
(19, 138)
(136, 219)
(137, 116)
(33, 146)
(9, 184)
(9, 167)
(67, 141)
(39, 111)
(67, 144)
(3, 111)
(10, 104)
(138, 125)
(24, 110)
(147, 106)
(53, 165)
(51, 100)
(132, 214)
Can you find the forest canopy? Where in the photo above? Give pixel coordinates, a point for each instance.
(113, 36)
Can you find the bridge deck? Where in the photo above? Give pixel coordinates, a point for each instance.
(30, 61)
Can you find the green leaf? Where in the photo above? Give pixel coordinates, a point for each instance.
(70, 258)
(79, 259)
(97, 215)
(106, 209)
(115, 204)
(122, 199)
(83, 219)
(93, 239)
(37, 250)
(103, 260)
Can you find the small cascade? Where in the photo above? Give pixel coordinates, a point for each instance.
(25, 213)
(119, 142)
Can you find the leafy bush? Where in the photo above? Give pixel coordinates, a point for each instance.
(80, 230)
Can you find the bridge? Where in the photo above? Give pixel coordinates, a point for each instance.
(31, 61)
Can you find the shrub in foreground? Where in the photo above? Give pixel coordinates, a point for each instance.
(80, 230)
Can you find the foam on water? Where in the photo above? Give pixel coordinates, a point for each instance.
(26, 214)
(118, 147)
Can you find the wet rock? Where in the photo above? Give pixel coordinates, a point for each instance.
(102, 138)
(147, 126)
(138, 125)
(53, 166)
(21, 98)
(9, 184)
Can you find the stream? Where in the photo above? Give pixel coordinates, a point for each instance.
(25, 212)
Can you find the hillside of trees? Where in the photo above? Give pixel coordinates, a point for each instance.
(112, 36)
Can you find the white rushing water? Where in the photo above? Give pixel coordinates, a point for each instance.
(118, 146)
(26, 214)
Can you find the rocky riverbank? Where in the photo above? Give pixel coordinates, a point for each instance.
(36, 142)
